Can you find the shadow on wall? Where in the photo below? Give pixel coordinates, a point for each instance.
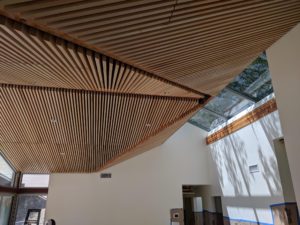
(244, 191)
(271, 127)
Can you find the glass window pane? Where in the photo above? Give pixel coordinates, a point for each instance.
(35, 180)
(206, 120)
(5, 206)
(252, 85)
(255, 80)
(6, 173)
(29, 202)
(228, 104)
(33, 216)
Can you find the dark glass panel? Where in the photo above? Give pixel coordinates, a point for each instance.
(255, 80)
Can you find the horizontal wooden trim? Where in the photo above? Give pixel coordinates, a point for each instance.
(23, 190)
(7, 189)
(244, 121)
(32, 190)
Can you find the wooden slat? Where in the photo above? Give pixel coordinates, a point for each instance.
(198, 44)
(153, 141)
(32, 57)
(244, 121)
(61, 130)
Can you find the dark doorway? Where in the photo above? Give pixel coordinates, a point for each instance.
(188, 211)
(219, 210)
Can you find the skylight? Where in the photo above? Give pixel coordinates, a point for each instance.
(248, 88)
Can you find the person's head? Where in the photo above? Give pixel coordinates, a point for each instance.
(51, 222)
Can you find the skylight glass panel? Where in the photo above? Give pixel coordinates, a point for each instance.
(255, 80)
(227, 103)
(249, 87)
(207, 120)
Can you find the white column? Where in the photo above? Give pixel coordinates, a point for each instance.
(284, 63)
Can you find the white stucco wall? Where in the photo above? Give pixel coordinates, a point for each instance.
(142, 189)
(246, 195)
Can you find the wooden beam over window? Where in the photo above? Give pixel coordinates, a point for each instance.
(244, 121)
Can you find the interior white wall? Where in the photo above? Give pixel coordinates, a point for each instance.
(284, 64)
(246, 195)
(142, 189)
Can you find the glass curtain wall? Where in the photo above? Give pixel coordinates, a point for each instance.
(6, 180)
(5, 207)
(32, 207)
(28, 203)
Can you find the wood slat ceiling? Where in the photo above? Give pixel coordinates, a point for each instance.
(66, 108)
(199, 44)
(31, 57)
(60, 130)
(87, 84)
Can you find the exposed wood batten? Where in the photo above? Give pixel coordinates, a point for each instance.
(199, 44)
(63, 130)
(31, 57)
(87, 84)
(244, 121)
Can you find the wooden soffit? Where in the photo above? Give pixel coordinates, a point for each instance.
(32, 57)
(66, 108)
(198, 44)
(249, 118)
(62, 130)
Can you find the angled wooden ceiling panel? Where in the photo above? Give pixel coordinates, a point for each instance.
(151, 142)
(199, 44)
(32, 57)
(61, 130)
